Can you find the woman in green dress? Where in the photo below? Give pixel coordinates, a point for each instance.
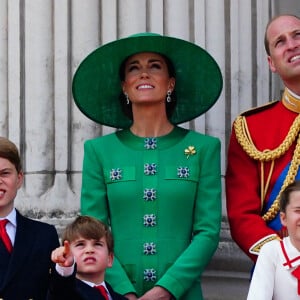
(156, 184)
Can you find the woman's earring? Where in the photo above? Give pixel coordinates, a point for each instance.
(127, 98)
(169, 96)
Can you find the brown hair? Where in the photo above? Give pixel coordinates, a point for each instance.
(285, 195)
(9, 151)
(88, 228)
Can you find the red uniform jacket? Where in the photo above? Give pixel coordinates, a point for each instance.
(268, 127)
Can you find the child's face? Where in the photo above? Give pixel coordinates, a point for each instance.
(10, 182)
(92, 258)
(291, 218)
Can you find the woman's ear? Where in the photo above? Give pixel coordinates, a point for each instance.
(123, 87)
(172, 84)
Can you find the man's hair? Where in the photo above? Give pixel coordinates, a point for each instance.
(266, 41)
(9, 151)
(285, 195)
(89, 228)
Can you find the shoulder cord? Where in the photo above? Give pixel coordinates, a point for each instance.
(244, 139)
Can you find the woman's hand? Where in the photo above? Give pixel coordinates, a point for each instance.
(131, 296)
(157, 293)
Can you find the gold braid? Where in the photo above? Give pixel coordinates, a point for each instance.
(244, 139)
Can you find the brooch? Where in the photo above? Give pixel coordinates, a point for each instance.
(150, 169)
(149, 194)
(115, 174)
(183, 172)
(149, 275)
(149, 220)
(190, 150)
(150, 143)
(149, 248)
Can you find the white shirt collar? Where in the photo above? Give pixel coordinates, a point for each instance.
(12, 217)
(93, 284)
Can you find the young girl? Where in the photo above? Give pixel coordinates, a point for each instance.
(277, 271)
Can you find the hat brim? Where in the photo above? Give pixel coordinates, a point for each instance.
(96, 84)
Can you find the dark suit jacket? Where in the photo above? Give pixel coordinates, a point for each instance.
(27, 273)
(71, 288)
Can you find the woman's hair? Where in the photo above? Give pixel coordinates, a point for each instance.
(127, 108)
(89, 228)
(285, 195)
(9, 151)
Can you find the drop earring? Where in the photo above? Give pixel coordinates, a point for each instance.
(169, 99)
(127, 98)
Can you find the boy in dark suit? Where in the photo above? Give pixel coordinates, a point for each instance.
(81, 262)
(25, 244)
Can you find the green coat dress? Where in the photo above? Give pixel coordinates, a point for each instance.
(162, 199)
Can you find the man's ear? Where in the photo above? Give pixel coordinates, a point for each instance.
(271, 64)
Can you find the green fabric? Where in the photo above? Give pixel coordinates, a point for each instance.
(96, 84)
(188, 210)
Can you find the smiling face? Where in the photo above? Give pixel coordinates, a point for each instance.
(147, 78)
(291, 218)
(10, 182)
(283, 35)
(92, 258)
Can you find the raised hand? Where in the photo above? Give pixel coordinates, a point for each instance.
(63, 255)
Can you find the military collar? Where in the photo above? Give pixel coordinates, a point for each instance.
(291, 101)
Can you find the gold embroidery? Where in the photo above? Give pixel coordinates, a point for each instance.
(244, 139)
(256, 247)
(290, 102)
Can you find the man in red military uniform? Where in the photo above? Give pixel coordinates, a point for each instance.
(264, 149)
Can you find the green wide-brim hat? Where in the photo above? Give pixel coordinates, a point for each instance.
(96, 84)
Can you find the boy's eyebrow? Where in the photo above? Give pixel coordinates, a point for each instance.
(85, 239)
(79, 240)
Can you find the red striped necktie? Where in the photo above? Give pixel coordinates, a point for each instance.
(102, 290)
(4, 236)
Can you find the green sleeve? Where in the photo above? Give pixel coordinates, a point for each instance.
(94, 203)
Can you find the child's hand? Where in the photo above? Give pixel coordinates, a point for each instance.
(63, 255)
